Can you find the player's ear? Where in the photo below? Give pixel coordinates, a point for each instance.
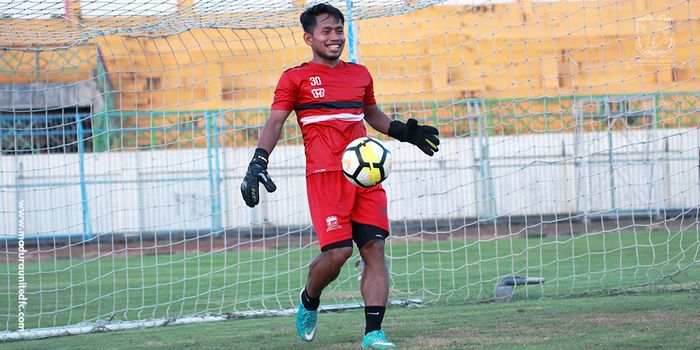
(307, 38)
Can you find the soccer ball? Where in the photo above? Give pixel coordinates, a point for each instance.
(366, 162)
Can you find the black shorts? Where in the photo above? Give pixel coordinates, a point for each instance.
(361, 234)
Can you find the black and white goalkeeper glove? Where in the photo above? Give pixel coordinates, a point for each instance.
(423, 136)
(257, 172)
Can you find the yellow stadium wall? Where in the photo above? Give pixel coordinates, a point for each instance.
(521, 49)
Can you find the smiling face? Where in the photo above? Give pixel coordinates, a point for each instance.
(327, 40)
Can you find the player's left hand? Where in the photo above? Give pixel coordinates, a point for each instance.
(423, 136)
(257, 172)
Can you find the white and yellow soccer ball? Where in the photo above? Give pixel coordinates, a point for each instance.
(366, 162)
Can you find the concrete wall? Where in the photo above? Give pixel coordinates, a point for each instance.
(40, 96)
(536, 175)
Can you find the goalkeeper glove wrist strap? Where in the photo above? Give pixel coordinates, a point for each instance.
(396, 128)
(260, 157)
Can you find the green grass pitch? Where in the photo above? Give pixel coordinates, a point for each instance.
(443, 273)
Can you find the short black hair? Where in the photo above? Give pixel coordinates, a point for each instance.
(308, 17)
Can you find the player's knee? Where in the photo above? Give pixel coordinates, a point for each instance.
(374, 247)
(338, 256)
(373, 252)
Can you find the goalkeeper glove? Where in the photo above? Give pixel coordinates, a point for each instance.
(423, 136)
(257, 172)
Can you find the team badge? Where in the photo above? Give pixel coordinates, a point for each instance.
(332, 223)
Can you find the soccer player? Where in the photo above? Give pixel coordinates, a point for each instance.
(331, 99)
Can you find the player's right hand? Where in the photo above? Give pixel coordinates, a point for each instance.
(257, 172)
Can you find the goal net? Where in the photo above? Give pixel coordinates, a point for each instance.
(570, 152)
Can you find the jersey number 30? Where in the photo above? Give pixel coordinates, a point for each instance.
(315, 81)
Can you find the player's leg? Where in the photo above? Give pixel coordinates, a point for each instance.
(326, 267)
(330, 214)
(323, 270)
(375, 283)
(370, 229)
(375, 276)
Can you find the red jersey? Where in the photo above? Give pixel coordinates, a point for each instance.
(329, 104)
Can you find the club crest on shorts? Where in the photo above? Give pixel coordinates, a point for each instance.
(332, 223)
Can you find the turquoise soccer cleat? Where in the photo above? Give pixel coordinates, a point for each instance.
(306, 322)
(376, 340)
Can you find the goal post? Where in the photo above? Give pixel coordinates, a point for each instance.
(569, 156)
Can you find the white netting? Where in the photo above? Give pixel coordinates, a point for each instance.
(570, 151)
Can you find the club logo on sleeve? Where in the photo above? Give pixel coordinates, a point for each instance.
(332, 223)
(318, 93)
